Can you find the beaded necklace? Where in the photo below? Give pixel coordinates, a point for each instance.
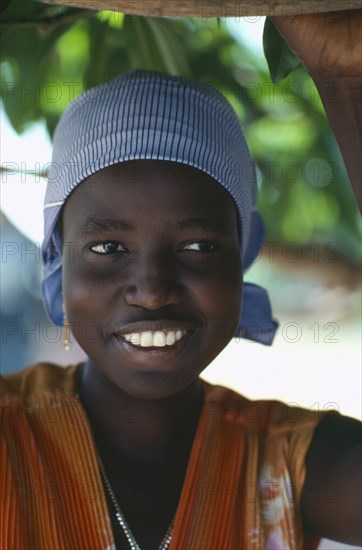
(133, 544)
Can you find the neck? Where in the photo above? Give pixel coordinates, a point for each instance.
(139, 430)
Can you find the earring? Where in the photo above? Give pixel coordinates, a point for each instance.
(66, 342)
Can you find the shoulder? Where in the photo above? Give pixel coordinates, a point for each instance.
(267, 418)
(279, 434)
(37, 399)
(276, 437)
(38, 380)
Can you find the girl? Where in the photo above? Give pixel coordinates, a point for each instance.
(149, 225)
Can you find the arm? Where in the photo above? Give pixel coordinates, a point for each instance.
(343, 106)
(330, 45)
(331, 497)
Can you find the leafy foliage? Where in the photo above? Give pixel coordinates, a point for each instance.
(28, 12)
(304, 192)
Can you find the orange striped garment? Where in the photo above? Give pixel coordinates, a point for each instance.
(241, 489)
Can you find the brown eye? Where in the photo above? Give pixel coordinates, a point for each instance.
(108, 247)
(200, 246)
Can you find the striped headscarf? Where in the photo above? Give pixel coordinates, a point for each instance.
(148, 115)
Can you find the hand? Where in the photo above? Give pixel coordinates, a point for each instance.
(329, 44)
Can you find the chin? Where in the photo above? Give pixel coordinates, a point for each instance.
(148, 383)
(154, 386)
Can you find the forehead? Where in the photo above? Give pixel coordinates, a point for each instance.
(152, 189)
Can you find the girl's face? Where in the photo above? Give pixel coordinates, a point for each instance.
(152, 276)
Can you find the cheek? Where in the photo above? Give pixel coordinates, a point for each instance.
(84, 272)
(85, 288)
(85, 311)
(218, 296)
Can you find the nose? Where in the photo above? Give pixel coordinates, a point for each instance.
(153, 284)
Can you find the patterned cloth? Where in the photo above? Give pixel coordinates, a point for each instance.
(241, 490)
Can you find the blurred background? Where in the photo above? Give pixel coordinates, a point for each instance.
(311, 260)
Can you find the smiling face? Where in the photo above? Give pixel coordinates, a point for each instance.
(152, 276)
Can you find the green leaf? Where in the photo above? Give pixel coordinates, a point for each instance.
(170, 49)
(141, 51)
(280, 58)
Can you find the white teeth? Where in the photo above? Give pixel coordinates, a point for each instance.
(146, 339)
(133, 338)
(157, 338)
(170, 338)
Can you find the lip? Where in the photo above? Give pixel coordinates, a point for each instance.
(153, 325)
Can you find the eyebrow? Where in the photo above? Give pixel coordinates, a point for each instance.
(212, 225)
(95, 225)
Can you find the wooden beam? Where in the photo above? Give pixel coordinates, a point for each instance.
(212, 8)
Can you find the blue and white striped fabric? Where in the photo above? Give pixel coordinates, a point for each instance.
(148, 115)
